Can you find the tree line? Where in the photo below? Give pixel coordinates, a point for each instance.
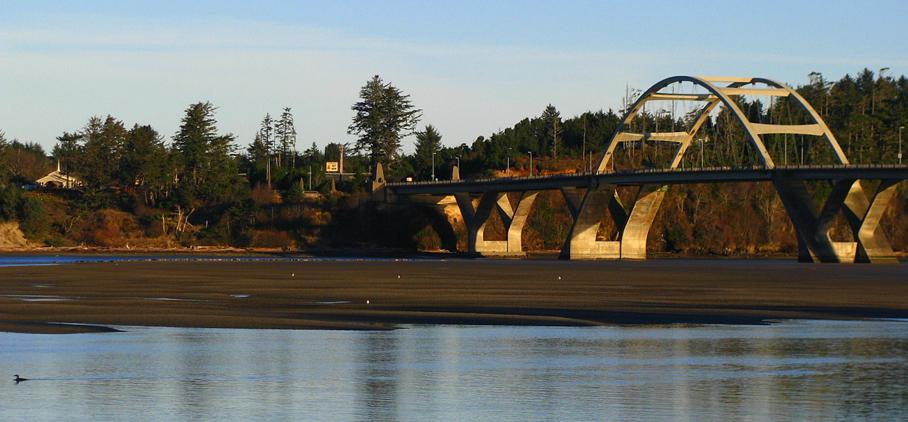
(201, 176)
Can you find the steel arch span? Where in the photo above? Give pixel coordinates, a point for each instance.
(720, 91)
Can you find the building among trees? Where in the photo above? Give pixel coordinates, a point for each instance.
(57, 180)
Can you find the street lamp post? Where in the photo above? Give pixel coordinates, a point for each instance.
(433, 166)
(900, 143)
(507, 166)
(531, 162)
(458, 162)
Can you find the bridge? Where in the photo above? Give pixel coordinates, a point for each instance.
(589, 195)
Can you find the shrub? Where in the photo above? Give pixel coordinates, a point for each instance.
(108, 228)
(32, 219)
(9, 202)
(271, 239)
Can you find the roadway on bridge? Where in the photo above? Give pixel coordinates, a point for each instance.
(652, 176)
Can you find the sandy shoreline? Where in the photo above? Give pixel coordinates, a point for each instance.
(380, 295)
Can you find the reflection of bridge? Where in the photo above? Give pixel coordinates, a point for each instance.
(589, 195)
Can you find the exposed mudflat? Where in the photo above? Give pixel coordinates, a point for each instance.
(382, 294)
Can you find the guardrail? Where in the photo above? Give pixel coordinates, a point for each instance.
(651, 171)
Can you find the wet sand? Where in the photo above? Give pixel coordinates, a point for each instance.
(379, 295)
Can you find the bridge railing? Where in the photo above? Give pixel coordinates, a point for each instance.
(654, 171)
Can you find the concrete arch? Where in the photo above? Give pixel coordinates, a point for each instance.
(717, 94)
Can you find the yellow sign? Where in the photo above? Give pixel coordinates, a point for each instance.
(331, 166)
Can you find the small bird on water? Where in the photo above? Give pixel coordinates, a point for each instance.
(18, 379)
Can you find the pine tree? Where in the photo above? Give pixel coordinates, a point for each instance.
(146, 163)
(552, 120)
(383, 116)
(314, 156)
(68, 151)
(102, 151)
(257, 152)
(208, 167)
(266, 135)
(285, 137)
(193, 141)
(428, 142)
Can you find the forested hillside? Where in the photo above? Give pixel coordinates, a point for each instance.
(199, 186)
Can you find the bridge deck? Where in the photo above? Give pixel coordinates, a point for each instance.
(654, 176)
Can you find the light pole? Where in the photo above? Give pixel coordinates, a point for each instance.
(507, 166)
(531, 162)
(433, 166)
(900, 143)
(458, 162)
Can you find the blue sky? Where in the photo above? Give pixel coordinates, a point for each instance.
(473, 67)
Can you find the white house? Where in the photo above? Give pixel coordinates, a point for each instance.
(58, 180)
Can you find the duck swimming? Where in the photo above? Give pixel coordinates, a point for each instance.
(18, 379)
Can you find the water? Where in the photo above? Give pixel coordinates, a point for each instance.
(796, 370)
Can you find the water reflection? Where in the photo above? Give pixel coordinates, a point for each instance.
(794, 370)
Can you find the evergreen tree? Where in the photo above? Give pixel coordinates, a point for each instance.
(194, 141)
(102, 151)
(207, 166)
(314, 154)
(428, 142)
(552, 120)
(146, 163)
(68, 151)
(383, 116)
(266, 136)
(257, 152)
(285, 138)
(222, 179)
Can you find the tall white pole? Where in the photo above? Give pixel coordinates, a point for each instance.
(433, 166)
(900, 143)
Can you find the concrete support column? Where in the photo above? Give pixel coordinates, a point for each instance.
(640, 220)
(513, 215)
(814, 243)
(475, 218)
(587, 212)
(863, 214)
(633, 227)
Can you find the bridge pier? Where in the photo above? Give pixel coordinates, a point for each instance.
(632, 226)
(513, 213)
(587, 214)
(863, 214)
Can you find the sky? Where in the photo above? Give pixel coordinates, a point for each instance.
(474, 67)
